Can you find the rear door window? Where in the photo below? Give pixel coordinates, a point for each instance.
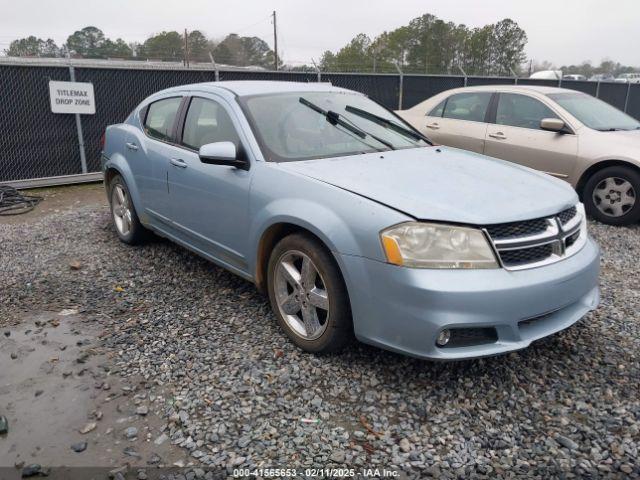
(161, 117)
(471, 106)
(517, 110)
(438, 110)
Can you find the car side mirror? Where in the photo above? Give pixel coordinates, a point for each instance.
(552, 125)
(222, 153)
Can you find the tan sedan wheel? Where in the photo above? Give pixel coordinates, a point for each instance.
(611, 195)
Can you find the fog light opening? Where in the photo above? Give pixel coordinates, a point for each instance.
(443, 338)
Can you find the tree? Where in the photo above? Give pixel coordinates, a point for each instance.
(258, 52)
(90, 42)
(117, 49)
(33, 47)
(86, 43)
(355, 55)
(327, 60)
(198, 46)
(508, 44)
(430, 45)
(163, 46)
(479, 51)
(244, 51)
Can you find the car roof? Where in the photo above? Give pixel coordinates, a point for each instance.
(243, 88)
(515, 88)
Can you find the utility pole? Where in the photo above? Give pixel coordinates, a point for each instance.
(275, 41)
(186, 48)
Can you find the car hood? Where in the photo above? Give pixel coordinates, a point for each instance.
(444, 184)
(628, 137)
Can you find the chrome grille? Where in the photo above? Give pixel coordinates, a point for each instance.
(523, 256)
(541, 241)
(567, 214)
(517, 229)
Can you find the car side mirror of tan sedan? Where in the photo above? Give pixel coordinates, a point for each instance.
(552, 125)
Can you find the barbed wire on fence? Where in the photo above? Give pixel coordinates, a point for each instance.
(203, 58)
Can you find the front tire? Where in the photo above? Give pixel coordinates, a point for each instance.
(308, 295)
(123, 213)
(611, 195)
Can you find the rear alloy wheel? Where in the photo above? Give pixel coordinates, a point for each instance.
(128, 226)
(308, 295)
(611, 196)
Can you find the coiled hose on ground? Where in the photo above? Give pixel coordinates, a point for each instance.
(12, 202)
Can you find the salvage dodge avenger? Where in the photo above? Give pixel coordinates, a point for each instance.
(352, 221)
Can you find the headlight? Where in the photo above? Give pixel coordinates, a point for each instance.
(433, 245)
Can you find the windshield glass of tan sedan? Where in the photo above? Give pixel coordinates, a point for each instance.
(595, 113)
(303, 126)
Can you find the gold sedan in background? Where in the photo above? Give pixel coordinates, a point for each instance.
(568, 134)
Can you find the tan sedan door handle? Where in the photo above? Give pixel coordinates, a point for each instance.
(433, 126)
(498, 136)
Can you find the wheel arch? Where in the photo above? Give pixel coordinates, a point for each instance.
(596, 167)
(117, 165)
(268, 240)
(109, 173)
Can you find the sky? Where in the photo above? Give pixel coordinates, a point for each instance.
(561, 31)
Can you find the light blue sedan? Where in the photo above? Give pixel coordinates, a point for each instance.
(351, 220)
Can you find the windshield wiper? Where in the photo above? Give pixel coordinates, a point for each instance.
(334, 119)
(387, 124)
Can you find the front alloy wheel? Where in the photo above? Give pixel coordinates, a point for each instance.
(302, 298)
(308, 295)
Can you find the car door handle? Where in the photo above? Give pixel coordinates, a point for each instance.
(178, 162)
(433, 126)
(498, 136)
(131, 146)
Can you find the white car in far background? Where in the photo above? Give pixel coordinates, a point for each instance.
(628, 78)
(574, 76)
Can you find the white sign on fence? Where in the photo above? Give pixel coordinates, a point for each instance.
(72, 97)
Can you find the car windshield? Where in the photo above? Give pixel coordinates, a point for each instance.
(308, 125)
(595, 113)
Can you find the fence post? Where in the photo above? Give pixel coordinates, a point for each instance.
(83, 156)
(215, 68)
(515, 76)
(401, 87)
(626, 100)
(598, 89)
(318, 72)
(463, 73)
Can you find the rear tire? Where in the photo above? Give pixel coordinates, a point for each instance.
(308, 295)
(123, 213)
(611, 195)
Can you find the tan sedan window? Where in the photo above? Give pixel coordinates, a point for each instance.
(467, 106)
(521, 111)
(437, 112)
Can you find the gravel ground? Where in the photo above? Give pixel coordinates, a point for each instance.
(234, 392)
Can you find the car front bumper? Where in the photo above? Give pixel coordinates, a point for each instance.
(404, 309)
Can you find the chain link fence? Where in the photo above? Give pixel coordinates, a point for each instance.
(36, 145)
